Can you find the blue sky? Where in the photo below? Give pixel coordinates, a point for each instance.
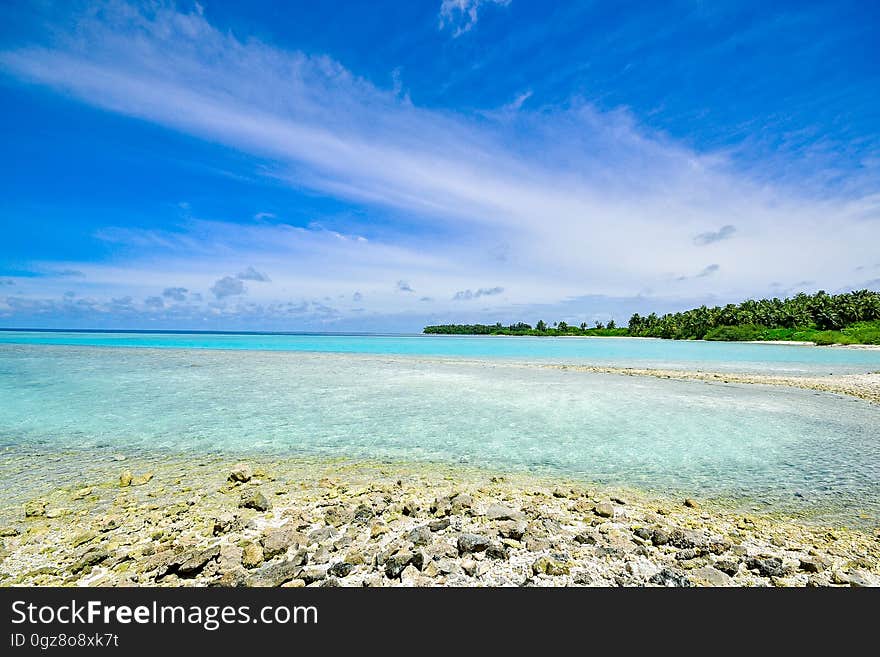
(379, 166)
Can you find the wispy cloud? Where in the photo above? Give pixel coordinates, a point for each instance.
(462, 15)
(403, 286)
(703, 273)
(465, 295)
(710, 237)
(251, 274)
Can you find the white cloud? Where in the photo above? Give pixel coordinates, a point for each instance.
(462, 15)
(227, 287)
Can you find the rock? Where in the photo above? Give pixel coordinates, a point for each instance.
(254, 499)
(514, 529)
(659, 536)
(6, 532)
(295, 583)
(197, 561)
(35, 509)
(230, 558)
(337, 515)
(604, 510)
(686, 538)
(82, 538)
(410, 576)
(395, 564)
(312, 574)
(420, 536)
(355, 558)
(125, 479)
(362, 514)
(469, 566)
(322, 534)
(691, 503)
(340, 569)
(668, 577)
(856, 578)
(586, 538)
(431, 570)
(240, 473)
(418, 559)
(461, 503)
(497, 552)
(223, 524)
(767, 567)
(274, 573)
(301, 558)
(140, 480)
(550, 566)
(812, 564)
(500, 512)
(438, 525)
(710, 575)
(378, 529)
(643, 533)
(687, 554)
(277, 540)
(560, 493)
(89, 559)
(472, 543)
(321, 555)
(81, 493)
(252, 554)
(727, 566)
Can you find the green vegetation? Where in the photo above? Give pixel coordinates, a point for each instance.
(850, 318)
(541, 329)
(821, 318)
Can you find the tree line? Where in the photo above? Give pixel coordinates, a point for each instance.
(820, 312)
(851, 317)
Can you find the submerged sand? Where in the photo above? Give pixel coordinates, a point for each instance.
(863, 386)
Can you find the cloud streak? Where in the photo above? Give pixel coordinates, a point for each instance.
(462, 15)
(710, 237)
(467, 295)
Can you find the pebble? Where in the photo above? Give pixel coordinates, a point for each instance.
(373, 531)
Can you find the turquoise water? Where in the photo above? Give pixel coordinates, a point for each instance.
(625, 352)
(778, 448)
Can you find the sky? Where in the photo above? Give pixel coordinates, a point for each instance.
(381, 166)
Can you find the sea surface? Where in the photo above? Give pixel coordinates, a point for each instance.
(621, 352)
(475, 400)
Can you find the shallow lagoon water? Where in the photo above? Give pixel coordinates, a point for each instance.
(777, 448)
(618, 352)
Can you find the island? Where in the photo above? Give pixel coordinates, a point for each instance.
(820, 318)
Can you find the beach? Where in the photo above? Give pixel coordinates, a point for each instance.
(294, 522)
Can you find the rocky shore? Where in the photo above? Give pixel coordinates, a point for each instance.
(862, 386)
(213, 522)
